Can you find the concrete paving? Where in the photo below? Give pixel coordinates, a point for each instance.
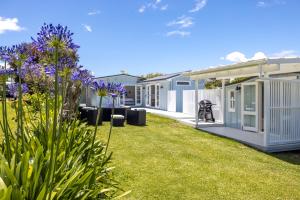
(253, 139)
(181, 117)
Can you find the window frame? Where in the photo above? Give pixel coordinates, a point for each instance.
(230, 101)
(183, 81)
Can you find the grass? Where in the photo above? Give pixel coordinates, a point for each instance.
(168, 160)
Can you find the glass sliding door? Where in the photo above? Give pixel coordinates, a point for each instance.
(153, 97)
(249, 106)
(148, 95)
(157, 91)
(138, 95)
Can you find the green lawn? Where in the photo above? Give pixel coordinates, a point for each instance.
(168, 160)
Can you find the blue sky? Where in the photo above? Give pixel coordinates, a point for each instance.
(143, 36)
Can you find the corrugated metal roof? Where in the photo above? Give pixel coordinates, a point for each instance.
(163, 77)
(117, 75)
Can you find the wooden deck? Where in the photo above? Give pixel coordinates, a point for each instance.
(250, 138)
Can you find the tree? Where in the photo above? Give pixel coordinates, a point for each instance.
(151, 75)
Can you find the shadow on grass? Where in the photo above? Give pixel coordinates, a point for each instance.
(292, 157)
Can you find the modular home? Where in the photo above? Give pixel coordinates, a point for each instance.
(162, 92)
(165, 92)
(129, 99)
(263, 111)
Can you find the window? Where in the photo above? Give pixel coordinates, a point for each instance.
(231, 100)
(138, 95)
(183, 83)
(157, 95)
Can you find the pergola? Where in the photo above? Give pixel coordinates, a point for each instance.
(255, 68)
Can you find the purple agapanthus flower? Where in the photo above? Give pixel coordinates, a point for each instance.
(51, 36)
(50, 70)
(100, 87)
(116, 89)
(13, 89)
(67, 62)
(31, 72)
(10, 54)
(83, 76)
(5, 72)
(4, 53)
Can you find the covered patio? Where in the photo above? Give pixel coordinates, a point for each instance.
(261, 112)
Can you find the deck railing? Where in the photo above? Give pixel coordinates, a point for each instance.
(282, 111)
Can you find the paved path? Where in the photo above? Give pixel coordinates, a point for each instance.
(182, 117)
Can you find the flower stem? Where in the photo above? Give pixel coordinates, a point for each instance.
(60, 125)
(20, 110)
(4, 116)
(95, 132)
(111, 125)
(54, 129)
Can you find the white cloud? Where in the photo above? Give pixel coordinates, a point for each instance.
(142, 9)
(268, 3)
(261, 4)
(164, 7)
(154, 4)
(236, 56)
(87, 27)
(199, 5)
(96, 12)
(259, 55)
(285, 54)
(178, 33)
(182, 22)
(9, 24)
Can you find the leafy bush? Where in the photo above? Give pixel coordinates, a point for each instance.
(48, 156)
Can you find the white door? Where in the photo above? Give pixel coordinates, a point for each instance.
(250, 106)
(138, 95)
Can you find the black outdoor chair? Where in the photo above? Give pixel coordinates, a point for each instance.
(136, 117)
(83, 112)
(107, 112)
(92, 116)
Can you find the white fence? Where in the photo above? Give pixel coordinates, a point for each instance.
(172, 101)
(282, 107)
(214, 95)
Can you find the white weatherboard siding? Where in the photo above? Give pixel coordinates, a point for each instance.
(172, 100)
(214, 95)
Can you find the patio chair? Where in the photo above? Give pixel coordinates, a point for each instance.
(136, 117)
(92, 116)
(83, 112)
(106, 114)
